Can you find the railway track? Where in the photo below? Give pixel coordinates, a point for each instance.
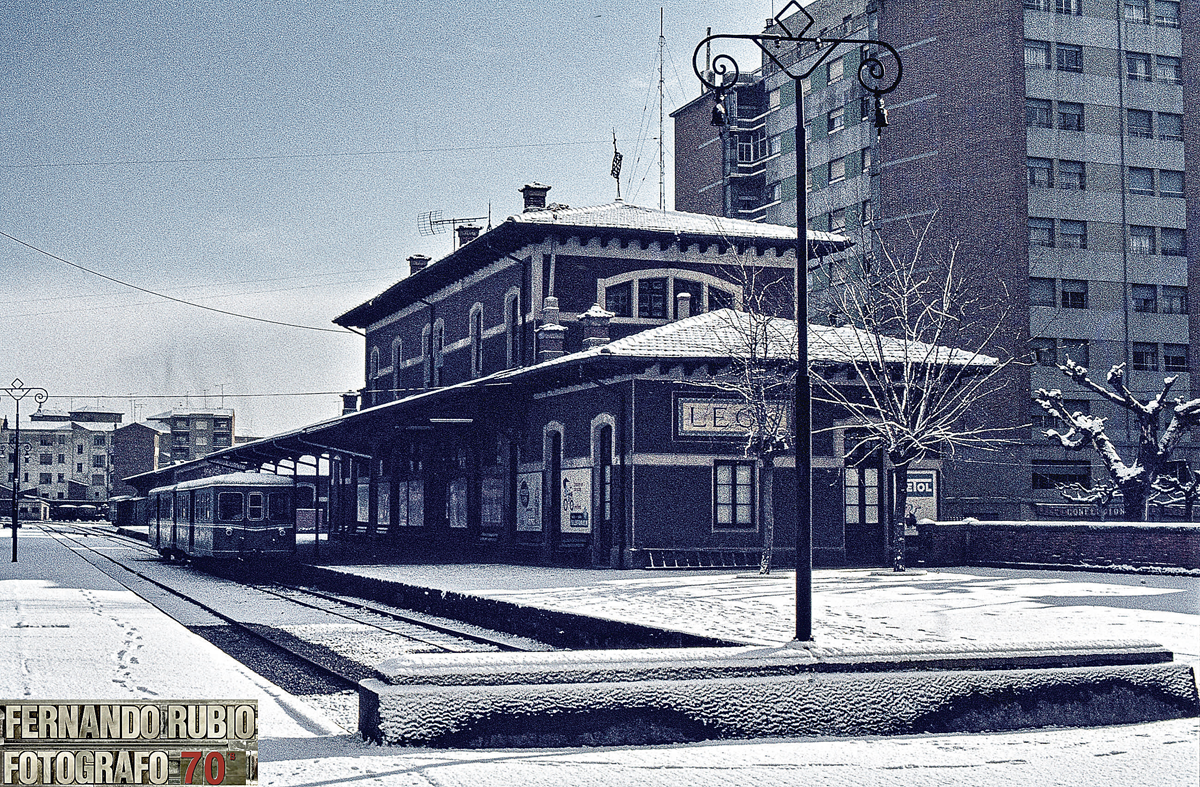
(310, 643)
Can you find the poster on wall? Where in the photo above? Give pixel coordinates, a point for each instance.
(577, 501)
(923, 493)
(401, 504)
(416, 503)
(364, 502)
(456, 503)
(492, 503)
(529, 502)
(383, 504)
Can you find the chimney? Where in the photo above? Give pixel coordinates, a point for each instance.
(417, 263)
(595, 326)
(683, 305)
(466, 233)
(550, 334)
(535, 196)
(349, 402)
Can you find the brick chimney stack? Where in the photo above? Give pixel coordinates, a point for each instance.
(683, 305)
(416, 263)
(595, 326)
(349, 402)
(467, 233)
(535, 196)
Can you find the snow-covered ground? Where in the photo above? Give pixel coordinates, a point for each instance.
(67, 631)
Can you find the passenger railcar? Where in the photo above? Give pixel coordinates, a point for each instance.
(232, 516)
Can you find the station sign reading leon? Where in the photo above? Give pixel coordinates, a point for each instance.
(51, 742)
(697, 416)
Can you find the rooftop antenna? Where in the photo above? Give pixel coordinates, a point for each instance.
(662, 177)
(431, 223)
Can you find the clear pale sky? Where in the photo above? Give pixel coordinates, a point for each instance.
(272, 158)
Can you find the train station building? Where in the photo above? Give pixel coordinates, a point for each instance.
(544, 394)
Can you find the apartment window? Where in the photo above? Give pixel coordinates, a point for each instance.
(1075, 350)
(1141, 181)
(98, 460)
(1170, 183)
(1174, 300)
(1138, 123)
(1037, 5)
(836, 70)
(652, 298)
(837, 220)
(866, 161)
(1037, 54)
(837, 119)
(866, 211)
(1145, 298)
(1074, 294)
(1041, 292)
(1173, 242)
(617, 299)
(1069, 7)
(1041, 173)
(1168, 69)
(1053, 473)
(1141, 240)
(775, 192)
(837, 170)
(1137, 66)
(1070, 57)
(1070, 116)
(46, 459)
(1175, 357)
(1072, 175)
(46, 440)
(1072, 234)
(1137, 12)
(775, 145)
(1044, 353)
(733, 495)
(1170, 126)
(1145, 356)
(1041, 232)
(45, 478)
(1166, 13)
(1038, 113)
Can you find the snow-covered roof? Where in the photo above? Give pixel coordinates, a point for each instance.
(624, 215)
(192, 412)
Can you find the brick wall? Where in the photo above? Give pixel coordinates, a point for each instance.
(1075, 544)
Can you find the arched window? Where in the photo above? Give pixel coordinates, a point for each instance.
(476, 331)
(426, 359)
(373, 365)
(439, 343)
(512, 327)
(397, 359)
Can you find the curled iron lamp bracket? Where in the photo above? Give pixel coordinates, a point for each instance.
(721, 73)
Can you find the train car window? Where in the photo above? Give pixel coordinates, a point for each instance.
(277, 507)
(203, 506)
(256, 505)
(229, 506)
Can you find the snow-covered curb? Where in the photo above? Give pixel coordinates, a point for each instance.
(640, 697)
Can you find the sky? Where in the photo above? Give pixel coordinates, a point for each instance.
(271, 159)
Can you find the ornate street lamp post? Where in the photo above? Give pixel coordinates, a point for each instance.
(18, 391)
(720, 76)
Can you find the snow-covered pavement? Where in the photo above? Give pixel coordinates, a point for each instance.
(68, 631)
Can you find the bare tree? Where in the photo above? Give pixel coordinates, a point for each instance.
(1135, 479)
(760, 374)
(916, 346)
(1099, 495)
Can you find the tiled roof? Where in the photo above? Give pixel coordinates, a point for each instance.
(623, 215)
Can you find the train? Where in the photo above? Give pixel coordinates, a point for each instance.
(247, 516)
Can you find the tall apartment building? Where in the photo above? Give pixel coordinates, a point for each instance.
(196, 431)
(1047, 139)
(63, 457)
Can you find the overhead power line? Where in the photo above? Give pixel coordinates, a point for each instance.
(295, 156)
(176, 300)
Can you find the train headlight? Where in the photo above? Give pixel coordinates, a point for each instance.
(282, 532)
(229, 531)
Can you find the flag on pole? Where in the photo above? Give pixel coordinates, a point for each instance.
(616, 164)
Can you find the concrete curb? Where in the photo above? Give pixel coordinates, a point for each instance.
(649, 697)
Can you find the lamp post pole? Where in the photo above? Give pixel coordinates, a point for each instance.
(721, 75)
(18, 391)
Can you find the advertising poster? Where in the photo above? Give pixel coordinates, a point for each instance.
(456, 503)
(492, 505)
(529, 502)
(577, 501)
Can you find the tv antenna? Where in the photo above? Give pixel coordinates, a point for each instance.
(431, 223)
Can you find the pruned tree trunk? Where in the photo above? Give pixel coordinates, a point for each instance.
(766, 496)
(898, 512)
